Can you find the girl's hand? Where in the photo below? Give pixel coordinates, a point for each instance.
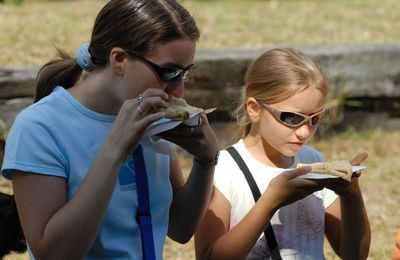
(134, 116)
(342, 187)
(286, 188)
(200, 141)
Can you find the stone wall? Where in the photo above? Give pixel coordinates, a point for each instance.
(368, 74)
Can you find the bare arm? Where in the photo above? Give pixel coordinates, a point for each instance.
(347, 225)
(190, 201)
(54, 228)
(214, 240)
(191, 198)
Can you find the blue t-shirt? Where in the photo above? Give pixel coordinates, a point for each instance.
(58, 136)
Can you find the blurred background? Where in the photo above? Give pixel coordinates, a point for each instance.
(31, 29)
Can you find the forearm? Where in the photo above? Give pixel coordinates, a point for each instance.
(237, 242)
(355, 234)
(190, 202)
(70, 232)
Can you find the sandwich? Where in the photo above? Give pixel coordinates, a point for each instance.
(342, 169)
(178, 109)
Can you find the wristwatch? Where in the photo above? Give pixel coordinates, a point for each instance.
(213, 162)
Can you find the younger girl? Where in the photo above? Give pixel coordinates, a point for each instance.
(283, 104)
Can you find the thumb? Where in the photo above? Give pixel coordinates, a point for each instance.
(359, 158)
(294, 173)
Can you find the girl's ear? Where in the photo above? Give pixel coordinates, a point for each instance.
(254, 109)
(118, 58)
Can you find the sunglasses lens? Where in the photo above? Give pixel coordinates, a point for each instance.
(189, 71)
(170, 74)
(291, 118)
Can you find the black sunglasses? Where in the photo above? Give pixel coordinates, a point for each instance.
(293, 119)
(168, 74)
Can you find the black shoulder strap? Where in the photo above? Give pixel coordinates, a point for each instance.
(268, 232)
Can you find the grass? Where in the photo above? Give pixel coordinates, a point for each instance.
(28, 34)
(378, 182)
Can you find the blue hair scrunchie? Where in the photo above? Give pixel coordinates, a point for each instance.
(83, 58)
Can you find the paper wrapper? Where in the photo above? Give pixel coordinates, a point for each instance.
(165, 124)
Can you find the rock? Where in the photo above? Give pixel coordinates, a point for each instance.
(10, 108)
(357, 72)
(17, 82)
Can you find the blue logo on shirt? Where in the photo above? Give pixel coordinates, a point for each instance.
(127, 175)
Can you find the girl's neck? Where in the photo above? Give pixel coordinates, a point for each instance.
(94, 94)
(266, 154)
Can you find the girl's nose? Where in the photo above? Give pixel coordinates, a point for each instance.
(305, 131)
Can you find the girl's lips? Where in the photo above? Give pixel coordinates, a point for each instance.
(298, 144)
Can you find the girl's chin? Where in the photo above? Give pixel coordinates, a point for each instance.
(291, 152)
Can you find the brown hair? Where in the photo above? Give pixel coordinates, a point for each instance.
(137, 26)
(275, 76)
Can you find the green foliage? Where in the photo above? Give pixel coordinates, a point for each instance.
(15, 2)
(20, 2)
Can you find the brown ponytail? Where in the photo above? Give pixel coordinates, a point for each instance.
(64, 72)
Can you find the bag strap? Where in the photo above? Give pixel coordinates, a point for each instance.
(268, 232)
(143, 214)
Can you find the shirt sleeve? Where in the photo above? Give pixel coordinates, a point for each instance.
(328, 197)
(32, 146)
(223, 175)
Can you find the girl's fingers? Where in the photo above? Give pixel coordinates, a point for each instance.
(359, 158)
(203, 118)
(151, 118)
(293, 173)
(149, 105)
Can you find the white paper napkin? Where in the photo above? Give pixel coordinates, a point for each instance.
(165, 124)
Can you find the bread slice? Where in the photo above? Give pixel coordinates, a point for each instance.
(178, 109)
(342, 168)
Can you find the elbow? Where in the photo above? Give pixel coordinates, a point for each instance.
(180, 238)
(50, 256)
(180, 233)
(48, 253)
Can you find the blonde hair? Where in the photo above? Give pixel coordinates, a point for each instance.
(277, 75)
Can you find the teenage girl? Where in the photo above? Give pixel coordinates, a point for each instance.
(70, 154)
